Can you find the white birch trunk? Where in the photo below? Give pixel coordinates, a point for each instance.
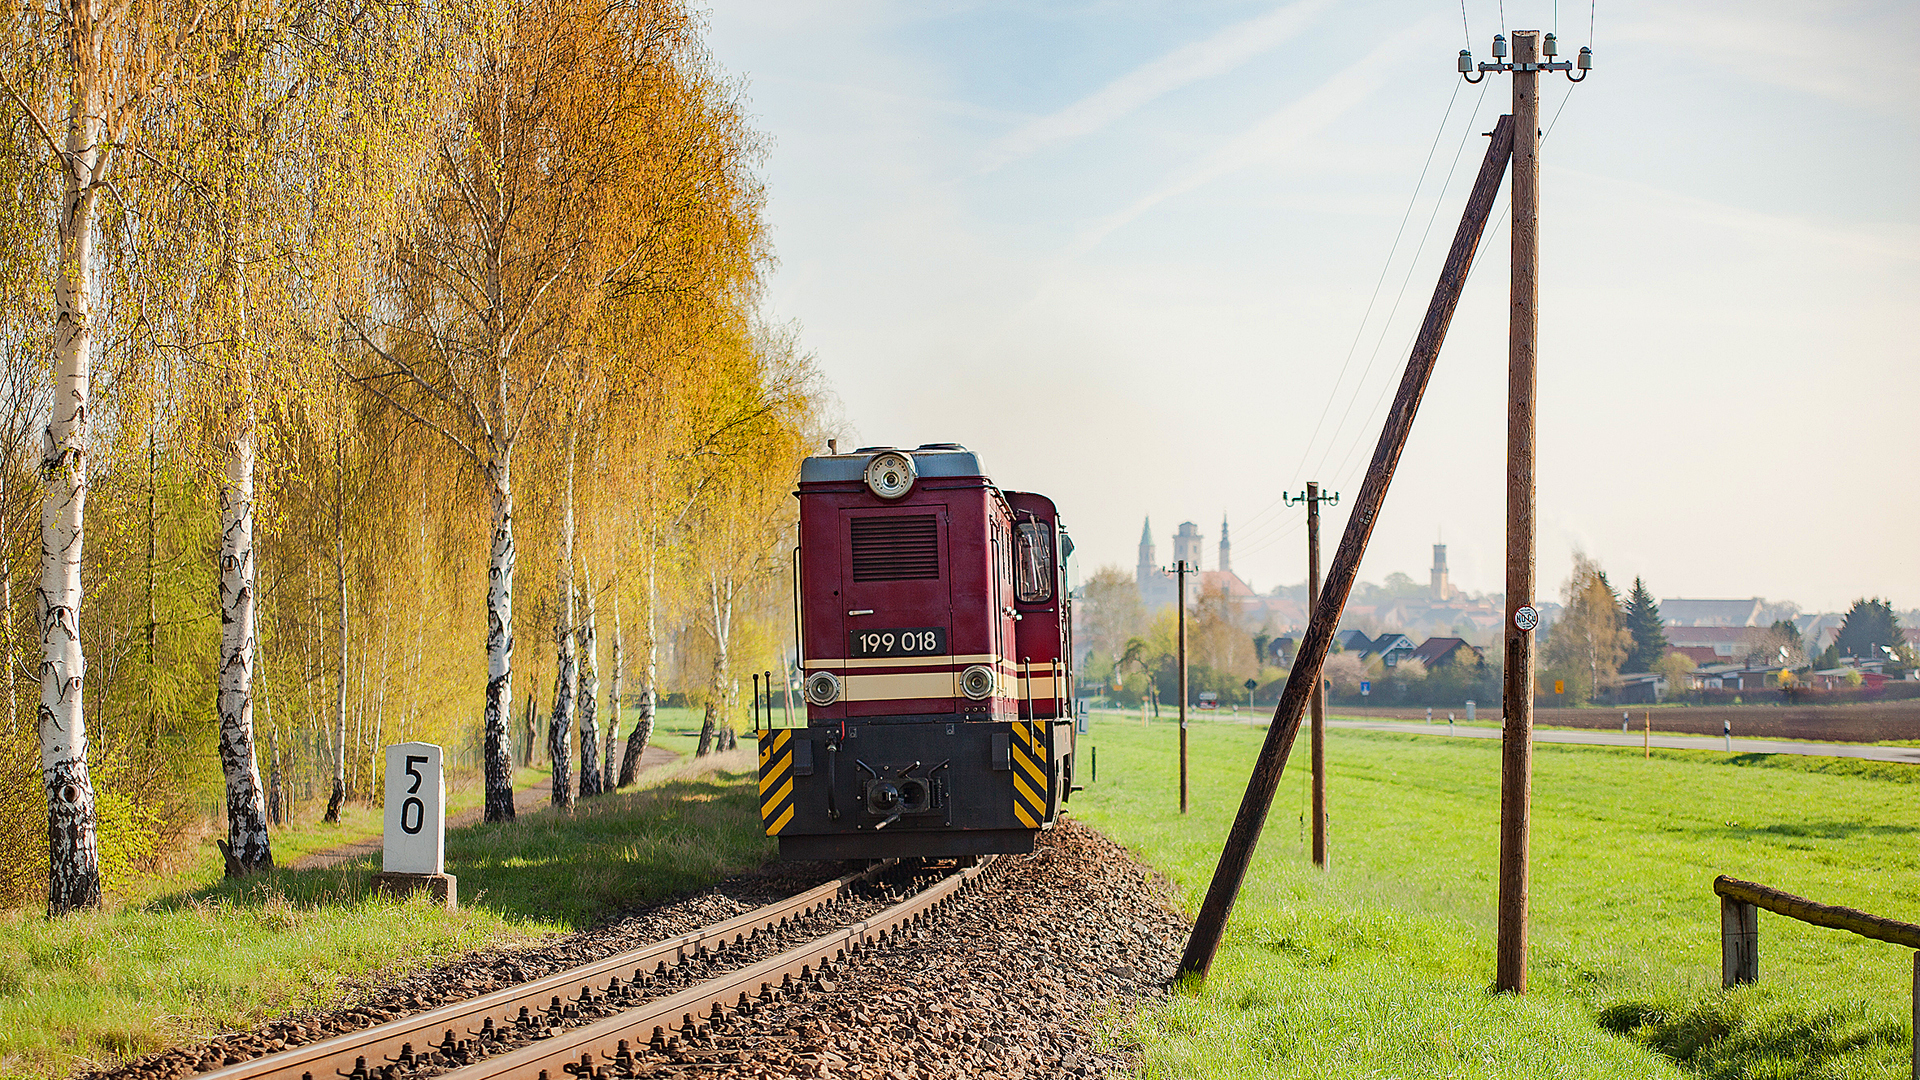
(276, 779)
(339, 794)
(643, 718)
(380, 709)
(12, 662)
(73, 879)
(153, 550)
(559, 733)
(713, 726)
(247, 848)
(589, 701)
(531, 722)
(499, 708)
(613, 702)
(361, 751)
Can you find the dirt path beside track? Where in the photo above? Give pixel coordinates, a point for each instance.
(525, 800)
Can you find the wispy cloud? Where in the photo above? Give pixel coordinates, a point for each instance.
(1804, 47)
(918, 103)
(1273, 136)
(1884, 240)
(1188, 64)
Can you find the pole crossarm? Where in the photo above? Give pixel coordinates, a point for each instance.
(1244, 836)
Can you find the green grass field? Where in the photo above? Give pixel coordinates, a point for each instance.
(195, 955)
(1382, 966)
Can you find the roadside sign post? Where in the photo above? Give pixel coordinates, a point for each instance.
(1366, 687)
(414, 854)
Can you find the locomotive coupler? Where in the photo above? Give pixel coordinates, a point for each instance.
(890, 797)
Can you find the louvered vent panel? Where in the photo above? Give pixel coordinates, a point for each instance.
(896, 548)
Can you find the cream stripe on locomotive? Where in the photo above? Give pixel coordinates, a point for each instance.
(903, 661)
(1018, 681)
(930, 684)
(776, 779)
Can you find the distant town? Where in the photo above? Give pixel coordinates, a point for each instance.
(1617, 642)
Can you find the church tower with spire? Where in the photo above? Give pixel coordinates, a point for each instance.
(1149, 568)
(1156, 585)
(1226, 548)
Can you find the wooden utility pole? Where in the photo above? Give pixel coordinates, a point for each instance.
(1516, 704)
(1304, 679)
(1317, 740)
(1318, 736)
(1180, 569)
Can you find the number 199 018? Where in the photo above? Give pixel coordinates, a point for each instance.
(914, 641)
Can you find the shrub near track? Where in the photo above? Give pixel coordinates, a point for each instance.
(1382, 966)
(96, 988)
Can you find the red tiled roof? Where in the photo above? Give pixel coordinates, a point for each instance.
(1434, 649)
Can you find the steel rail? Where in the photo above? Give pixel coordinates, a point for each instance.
(340, 1055)
(574, 1050)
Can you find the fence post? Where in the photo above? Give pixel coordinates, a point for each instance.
(1916, 1016)
(1739, 942)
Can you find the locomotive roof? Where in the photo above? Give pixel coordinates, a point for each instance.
(929, 460)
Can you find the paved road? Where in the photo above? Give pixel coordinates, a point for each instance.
(1906, 755)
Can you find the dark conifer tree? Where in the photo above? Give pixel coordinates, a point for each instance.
(1870, 624)
(1649, 636)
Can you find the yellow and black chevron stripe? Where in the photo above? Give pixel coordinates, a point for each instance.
(1029, 772)
(776, 779)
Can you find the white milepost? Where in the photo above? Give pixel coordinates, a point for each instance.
(415, 853)
(416, 811)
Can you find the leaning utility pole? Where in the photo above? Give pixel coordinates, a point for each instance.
(1516, 692)
(1317, 742)
(1304, 679)
(1180, 568)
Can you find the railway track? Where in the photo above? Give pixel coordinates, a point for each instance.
(590, 1021)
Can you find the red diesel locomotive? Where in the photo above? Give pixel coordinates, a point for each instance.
(935, 638)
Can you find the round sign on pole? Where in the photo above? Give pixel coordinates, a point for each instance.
(1526, 618)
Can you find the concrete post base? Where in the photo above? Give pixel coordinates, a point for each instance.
(444, 888)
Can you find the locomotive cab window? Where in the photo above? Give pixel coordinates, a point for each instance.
(1033, 561)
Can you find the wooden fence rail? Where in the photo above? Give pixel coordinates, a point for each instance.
(1740, 904)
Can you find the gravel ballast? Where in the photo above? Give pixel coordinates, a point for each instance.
(1017, 980)
(1019, 977)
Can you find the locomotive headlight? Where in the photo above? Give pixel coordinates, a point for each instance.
(977, 682)
(890, 475)
(823, 688)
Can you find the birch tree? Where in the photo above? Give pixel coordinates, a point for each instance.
(566, 675)
(81, 74)
(289, 153)
(613, 702)
(521, 232)
(643, 710)
(1587, 642)
(589, 703)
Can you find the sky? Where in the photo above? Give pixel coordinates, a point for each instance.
(1168, 259)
